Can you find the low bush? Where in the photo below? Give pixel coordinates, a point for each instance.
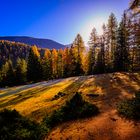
(130, 108)
(90, 95)
(13, 126)
(59, 95)
(75, 108)
(137, 96)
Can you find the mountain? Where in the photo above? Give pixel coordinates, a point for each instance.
(41, 43)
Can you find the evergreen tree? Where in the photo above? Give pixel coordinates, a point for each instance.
(112, 40)
(8, 74)
(136, 43)
(77, 49)
(106, 47)
(73, 63)
(91, 54)
(34, 68)
(21, 71)
(100, 62)
(10, 80)
(4, 71)
(121, 62)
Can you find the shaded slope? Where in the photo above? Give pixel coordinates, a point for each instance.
(42, 43)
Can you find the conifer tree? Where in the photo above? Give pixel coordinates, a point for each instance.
(34, 68)
(54, 63)
(112, 40)
(106, 47)
(4, 71)
(121, 62)
(85, 63)
(91, 54)
(67, 62)
(73, 63)
(60, 67)
(8, 74)
(136, 43)
(100, 62)
(77, 49)
(21, 71)
(10, 80)
(47, 65)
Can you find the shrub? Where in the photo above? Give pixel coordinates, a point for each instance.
(137, 96)
(75, 108)
(92, 95)
(13, 126)
(130, 108)
(59, 95)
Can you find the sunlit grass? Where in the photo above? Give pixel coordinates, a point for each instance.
(32, 100)
(89, 86)
(36, 102)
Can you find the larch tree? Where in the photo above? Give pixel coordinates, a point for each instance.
(54, 63)
(67, 62)
(47, 65)
(72, 71)
(60, 67)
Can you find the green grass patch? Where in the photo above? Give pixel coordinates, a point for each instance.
(130, 108)
(13, 126)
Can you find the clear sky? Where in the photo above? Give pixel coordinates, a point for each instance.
(59, 20)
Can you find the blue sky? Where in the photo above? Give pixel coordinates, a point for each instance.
(59, 20)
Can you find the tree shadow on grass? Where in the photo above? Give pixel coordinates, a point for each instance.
(113, 86)
(129, 82)
(69, 92)
(23, 96)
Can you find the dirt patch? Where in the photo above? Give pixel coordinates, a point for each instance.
(107, 125)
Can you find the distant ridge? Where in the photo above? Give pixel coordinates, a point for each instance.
(41, 43)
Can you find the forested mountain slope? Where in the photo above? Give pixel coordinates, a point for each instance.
(42, 43)
(12, 50)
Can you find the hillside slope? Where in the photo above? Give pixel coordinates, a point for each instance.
(13, 51)
(35, 101)
(42, 43)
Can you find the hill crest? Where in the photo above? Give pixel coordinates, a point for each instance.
(40, 42)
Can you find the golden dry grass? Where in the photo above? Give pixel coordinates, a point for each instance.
(37, 101)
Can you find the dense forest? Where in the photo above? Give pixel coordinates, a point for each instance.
(117, 49)
(12, 50)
